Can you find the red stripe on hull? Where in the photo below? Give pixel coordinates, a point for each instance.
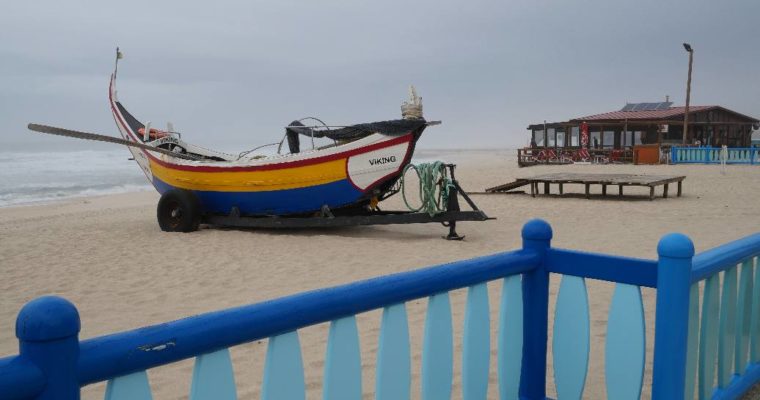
(288, 164)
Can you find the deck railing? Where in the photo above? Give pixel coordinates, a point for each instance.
(712, 155)
(54, 363)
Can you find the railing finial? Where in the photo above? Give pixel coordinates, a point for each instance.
(675, 245)
(537, 229)
(47, 318)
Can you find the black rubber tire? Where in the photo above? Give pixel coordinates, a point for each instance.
(178, 211)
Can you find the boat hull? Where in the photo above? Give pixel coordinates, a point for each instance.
(351, 174)
(338, 180)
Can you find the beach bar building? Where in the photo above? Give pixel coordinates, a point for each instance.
(616, 134)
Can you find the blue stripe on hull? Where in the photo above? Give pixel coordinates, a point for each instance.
(277, 202)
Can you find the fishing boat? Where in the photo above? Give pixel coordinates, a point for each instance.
(360, 166)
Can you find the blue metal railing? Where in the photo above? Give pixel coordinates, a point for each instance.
(712, 155)
(53, 363)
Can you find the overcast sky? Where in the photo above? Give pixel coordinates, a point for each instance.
(232, 74)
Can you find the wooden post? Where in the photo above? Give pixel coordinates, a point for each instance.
(546, 187)
(604, 189)
(561, 189)
(588, 194)
(665, 192)
(679, 188)
(620, 190)
(651, 193)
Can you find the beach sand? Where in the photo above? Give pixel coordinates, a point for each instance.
(108, 256)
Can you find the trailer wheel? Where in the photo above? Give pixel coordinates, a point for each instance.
(178, 211)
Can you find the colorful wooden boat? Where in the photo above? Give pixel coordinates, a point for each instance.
(360, 168)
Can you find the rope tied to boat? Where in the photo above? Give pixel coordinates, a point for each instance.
(434, 187)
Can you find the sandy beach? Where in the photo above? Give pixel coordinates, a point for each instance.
(108, 256)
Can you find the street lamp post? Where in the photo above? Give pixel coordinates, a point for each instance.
(688, 93)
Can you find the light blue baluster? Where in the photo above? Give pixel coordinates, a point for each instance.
(692, 342)
(283, 370)
(510, 337)
(727, 332)
(343, 364)
(754, 349)
(708, 336)
(570, 345)
(743, 317)
(625, 347)
(476, 344)
(393, 380)
(437, 349)
(134, 386)
(213, 378)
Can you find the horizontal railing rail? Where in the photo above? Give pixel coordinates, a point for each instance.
(631, 271)
(723, 257)
(20, 378)
(123, 353)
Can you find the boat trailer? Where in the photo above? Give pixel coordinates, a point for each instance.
(336, 218)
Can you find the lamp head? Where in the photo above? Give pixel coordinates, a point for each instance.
(688, 47)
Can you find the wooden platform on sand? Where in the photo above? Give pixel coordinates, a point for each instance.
(619, 180)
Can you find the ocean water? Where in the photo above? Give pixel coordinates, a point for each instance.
(40, 177)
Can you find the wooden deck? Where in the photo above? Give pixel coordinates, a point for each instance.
(619, 180)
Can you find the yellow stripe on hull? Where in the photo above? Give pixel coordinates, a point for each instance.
(253, 181)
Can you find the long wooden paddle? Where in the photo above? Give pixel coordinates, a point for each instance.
(104, 138)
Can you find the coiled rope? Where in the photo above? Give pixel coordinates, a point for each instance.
(434, 187)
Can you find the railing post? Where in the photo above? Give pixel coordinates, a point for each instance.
(48, 333)
(537, 235)
(671, 333)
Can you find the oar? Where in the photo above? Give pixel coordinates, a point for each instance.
(104, 138)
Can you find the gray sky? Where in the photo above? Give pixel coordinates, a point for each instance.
(232, 74)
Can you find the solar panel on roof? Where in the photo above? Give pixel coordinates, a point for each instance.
(639, 107)
(647, 106)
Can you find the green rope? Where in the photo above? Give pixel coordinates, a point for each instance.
(434, 186)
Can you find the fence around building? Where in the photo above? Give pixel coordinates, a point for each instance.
(713, 155)
(712, 352)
